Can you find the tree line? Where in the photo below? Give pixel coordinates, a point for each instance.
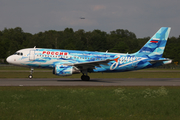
(120, 41)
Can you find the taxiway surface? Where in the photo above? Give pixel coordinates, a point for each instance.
(92, 82)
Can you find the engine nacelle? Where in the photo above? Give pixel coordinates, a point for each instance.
(64, 70)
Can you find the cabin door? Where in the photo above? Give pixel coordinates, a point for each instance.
(32, 55)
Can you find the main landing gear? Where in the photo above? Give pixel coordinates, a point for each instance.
(31, 72)
(85, 77)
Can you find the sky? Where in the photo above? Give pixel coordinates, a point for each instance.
(142, 17)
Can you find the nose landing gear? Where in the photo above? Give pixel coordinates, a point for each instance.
(31, 72)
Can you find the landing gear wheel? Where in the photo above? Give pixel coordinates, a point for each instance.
(30, 76)
(31, 72)
(82, 77)
(85, 78)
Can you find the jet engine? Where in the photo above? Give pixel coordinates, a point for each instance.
(64, 70)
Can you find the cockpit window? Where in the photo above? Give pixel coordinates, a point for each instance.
(18, 53)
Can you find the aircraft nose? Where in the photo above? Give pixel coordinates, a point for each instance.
(9, 59)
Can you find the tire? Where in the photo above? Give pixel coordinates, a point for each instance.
(30, 76)
(85, 78)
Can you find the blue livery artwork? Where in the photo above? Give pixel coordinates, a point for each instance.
(68, 62)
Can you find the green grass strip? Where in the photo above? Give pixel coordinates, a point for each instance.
(171, 74)
(89, 103)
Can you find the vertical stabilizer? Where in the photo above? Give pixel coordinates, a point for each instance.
(154, 48)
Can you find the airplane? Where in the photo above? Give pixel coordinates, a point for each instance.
(68, 62)
(82, 17)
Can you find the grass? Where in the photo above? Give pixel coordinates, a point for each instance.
(87, 103)
(159, 74)
(11, 67)
(22, 72)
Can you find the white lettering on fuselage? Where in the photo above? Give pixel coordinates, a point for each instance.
(54, 53)
(125, 61)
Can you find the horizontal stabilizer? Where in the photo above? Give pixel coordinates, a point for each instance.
(163, 60)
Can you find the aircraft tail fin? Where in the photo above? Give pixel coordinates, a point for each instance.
(154, 48)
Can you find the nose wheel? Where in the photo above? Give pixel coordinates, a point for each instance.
(30, 76)
(31, 72)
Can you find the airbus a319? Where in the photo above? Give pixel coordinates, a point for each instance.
(68, 62)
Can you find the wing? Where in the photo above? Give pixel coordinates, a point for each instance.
(90, 65)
